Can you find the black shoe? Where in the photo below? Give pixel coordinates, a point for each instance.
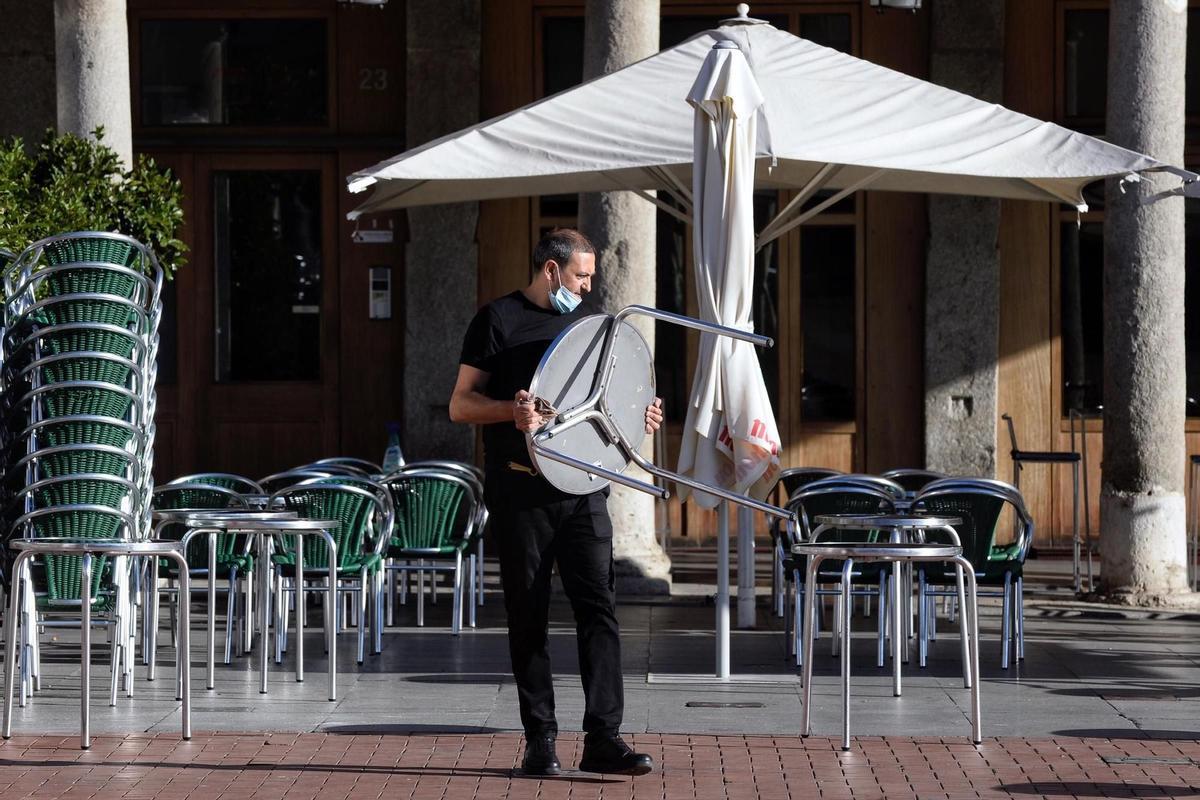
(609, 754)
(540, 758)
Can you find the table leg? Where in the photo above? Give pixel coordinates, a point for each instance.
(183, 643)
(212, 608)
(85, 648)
(333, 561)
(972, 608)
(264, 605)
(150, 614)
(899, 644)
(10, 640)
(963, 639)
(847, 609)
(299, 595)
(806, 642)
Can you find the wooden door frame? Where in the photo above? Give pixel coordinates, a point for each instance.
(288, 400)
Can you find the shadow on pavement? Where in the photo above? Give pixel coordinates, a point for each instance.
(1084, 789)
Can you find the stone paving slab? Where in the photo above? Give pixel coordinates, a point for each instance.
(274, 766)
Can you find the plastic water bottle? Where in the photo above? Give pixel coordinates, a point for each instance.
(393, 459)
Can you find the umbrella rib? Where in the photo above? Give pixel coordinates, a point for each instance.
(682, 216)
(681, 191)
(814, 185)
(815, 210)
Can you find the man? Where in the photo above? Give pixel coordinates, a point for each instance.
(535, 524)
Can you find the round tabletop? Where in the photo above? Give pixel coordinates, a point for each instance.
(873, 521)
(218, 515)
(566, 377)
(276, 523)
(66, 545)
(879, 551)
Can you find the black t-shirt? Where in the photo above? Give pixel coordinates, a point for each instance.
(507, 339)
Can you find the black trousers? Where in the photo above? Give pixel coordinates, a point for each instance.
(534, 529)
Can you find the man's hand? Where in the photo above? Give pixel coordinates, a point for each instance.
(525, 413)
(654, 416)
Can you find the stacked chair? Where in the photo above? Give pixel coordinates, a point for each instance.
(79, 344)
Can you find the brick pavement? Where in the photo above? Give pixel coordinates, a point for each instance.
(305, 766)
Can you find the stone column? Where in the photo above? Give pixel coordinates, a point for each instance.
(622, 226)
(441, 256)
(1142, 541)
(27, 69)
(962, 285)
(92, 60)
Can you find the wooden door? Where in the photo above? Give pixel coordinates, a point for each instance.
(263, 350)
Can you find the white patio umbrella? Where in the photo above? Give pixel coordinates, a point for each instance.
(730, 438)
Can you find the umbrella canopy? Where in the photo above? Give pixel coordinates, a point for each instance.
(730, 438)
(834, 122)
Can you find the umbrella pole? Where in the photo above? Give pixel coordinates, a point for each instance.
(723, 591)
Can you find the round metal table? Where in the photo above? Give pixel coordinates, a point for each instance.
(895, 553)
(88, 549)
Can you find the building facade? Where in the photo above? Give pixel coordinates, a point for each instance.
(292, 335)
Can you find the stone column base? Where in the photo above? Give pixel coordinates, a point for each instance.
(1143, 548)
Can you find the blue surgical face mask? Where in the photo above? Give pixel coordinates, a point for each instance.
(563, 299)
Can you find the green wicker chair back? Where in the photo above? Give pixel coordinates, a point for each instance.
(74, 401)
(840, 500)
(980, 513)
(913, 480)
(197, 495)
(90, 432)
(101, 370)
(433, 513)
(100, 249)
(58, 577)
(282, 480)
(222, 480)
(348, 505)
(82, 460)
(89, 311)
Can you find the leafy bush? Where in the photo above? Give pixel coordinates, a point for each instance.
(69, 183)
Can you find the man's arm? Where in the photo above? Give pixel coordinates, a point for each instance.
(469, 404)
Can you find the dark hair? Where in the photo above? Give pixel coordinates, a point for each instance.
(559, 245)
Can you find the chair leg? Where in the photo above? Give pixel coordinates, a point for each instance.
(230, 613)
(1075, 550)
(798, 627)
(1006, 621)
(390, 589)
(879, 625)
(922, 621)
(836, 643)
(456, 595)
(362, 616)
(421, 594)
(114, 655)
(248, 615)
(1020, 614)
(472, 588)
(377, 582)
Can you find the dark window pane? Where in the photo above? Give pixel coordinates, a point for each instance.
(843, 206)
(766, 292)
(830, 30)
(251, 72)
(675, 30)
(1082, 292)
(560, 205)
(268, 275)
(562, 53)
(670, 341)
(827, 317)
(1192, 299)
(1085, 67)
